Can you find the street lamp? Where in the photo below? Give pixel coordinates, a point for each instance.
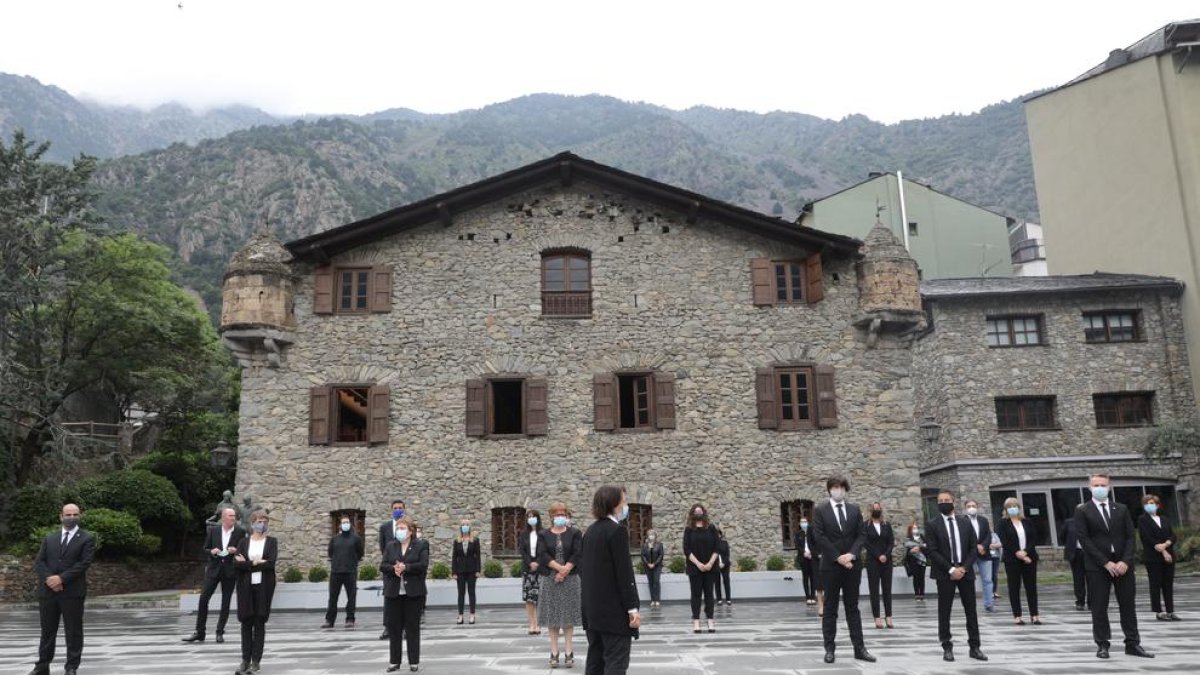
(930, 430)
(222, 455)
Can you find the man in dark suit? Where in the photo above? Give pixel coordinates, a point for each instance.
(1106, 532)
(952, 549)
(1073, 552)
(62, 562)
(983, 564)
(609, 593)
(387, 533)
(221, 544)
(838, 533)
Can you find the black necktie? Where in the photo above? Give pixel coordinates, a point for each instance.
(841, 517)
(66, 537)
(953, 541)
(1107, 519)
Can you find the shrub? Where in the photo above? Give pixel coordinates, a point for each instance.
(641, 567)
(677, 565)
(292, 575)
(33, 541)
(33, 508)
(747, 564)
(115, 531)
(318, 574)
(148, 496)
(439, 571)
(492, 569)
(775, 564)
(515, 570)
(1189, 543)
(148, 544)
(368, 573)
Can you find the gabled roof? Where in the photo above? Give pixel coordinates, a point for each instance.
(563, 168)
(877, 175)
(979, 287)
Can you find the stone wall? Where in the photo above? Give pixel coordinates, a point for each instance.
(667, 295)
(18, 582)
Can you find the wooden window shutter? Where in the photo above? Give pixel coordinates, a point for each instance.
(381, 404)
(476, 419)
(535, 407)
(319, 409)
(813, 279)
(323, 290)
(604, 401)
(826, 398)
(768, 415)
(762, 281)
(381, 289)
(664, 400)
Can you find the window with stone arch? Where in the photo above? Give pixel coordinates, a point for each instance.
(790, 513)
(639, 522)
(508, 523)
(358, 521)
(566, 282)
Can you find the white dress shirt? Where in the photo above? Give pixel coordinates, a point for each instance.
(70, 534)
(975, 524)
(1020, 528)
(533, 537)
(226, 535)
(256, 553)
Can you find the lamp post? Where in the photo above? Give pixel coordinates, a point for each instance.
(931, 431)
(222, 455)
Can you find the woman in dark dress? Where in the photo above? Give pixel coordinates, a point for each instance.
(465, 564)
(700, 550)
(405, 561)
(1158, 554)
(255, 589)
(808, 561)
(560, 602)
(530, 578)
(878, 543)
(725, 566)
(1017, 537)
(652, 560)
(915, 561)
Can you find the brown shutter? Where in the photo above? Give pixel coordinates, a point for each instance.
(826, 398)
(535, 407)
(381, 404)
(762, 281)
(475, 407)
(814, 279)
(318, 415)
(768, 415)
(381, 289)
(323, 290)
(604, 401)
(664, 400)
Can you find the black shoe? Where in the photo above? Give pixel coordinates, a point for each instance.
(1079, 607)
(414, 668)
(1173, 617)
(393, 668)
(220, 638)
(384, 635)
(977, 654)
(242, 669)
(947, 653)
(38, 670)
(863, 655)
(1102, 652)
(327, 624)
(829, 658)
(194, 637)
(254, 668)
(69, 671)
(1136, 650)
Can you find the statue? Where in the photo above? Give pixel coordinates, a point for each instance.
(226, 503)
(248, 508)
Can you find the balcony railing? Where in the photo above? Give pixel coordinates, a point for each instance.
(566, 303)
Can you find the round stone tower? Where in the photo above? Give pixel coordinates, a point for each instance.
(889, 286)
(257, 301)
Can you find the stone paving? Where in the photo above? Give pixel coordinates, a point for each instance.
(765, 637)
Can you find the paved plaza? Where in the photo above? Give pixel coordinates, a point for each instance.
(767, 637)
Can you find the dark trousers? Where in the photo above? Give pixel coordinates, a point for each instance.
(210, 586)
(654, 580)
(608, 653)
(254, 636)
(722, 578)
(338, 581)
(1019, 572)
(918, 582)
(70, 610)
(466, 585)
(839, 581)
(807, 579)
(966, 593)
(701, 584)
(879, 581)
(1162, 582)
(1100, 584)
(403, 617)
(1079, 578)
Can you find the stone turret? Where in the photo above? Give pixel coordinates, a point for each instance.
(889, 286)
(257, 301)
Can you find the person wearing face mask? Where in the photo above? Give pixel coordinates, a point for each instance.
(387, 534)
(345, 551)
(1106, 532)
(255, 589)
(609, 594)
(1158, 555)
(807, 560)
(915, 561)
(725, 565)
(838, 531)
(405, 562)
(879, 540)
(1017, 536)
(466, 563)
(559, 599)
(530, 579)
(983, 565)
(221, 543)
(419, 536)
(653, 554)
(700, 550)
(951, 548)
(61, 564)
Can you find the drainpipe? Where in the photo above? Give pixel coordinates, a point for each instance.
(903, 210)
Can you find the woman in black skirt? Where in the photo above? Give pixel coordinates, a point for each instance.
(530, 579)
(255, 589)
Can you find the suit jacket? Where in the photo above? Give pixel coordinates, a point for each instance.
(833, 541)
(254, 600)
(878, 543)
(723, 553)
(387, 534)
(528, 554)
(1070, 540)
(653, 555)
(466, 562)
(609, 586)
(572, 541)
(1104, 544)
(984, 537)
(71, 564)
(1011, 543)
(1152, 535)
(221, 567)
(416, 563)
(937, 547)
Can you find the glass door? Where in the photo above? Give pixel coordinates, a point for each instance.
(1038, 514)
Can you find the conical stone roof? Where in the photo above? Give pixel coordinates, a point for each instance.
(263, 254)
(881, 244)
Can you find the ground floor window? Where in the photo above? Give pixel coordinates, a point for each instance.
(790, 513)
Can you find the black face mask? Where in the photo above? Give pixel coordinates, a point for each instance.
(946, 509)
(876, 513)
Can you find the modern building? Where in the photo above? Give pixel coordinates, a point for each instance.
(948, 237)
(1116, 159)
(1028, 246)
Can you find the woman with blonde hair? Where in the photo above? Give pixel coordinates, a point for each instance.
(1017, 537)
(465, 563)
(560, 604)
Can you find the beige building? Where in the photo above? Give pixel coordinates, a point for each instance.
(1116, 158)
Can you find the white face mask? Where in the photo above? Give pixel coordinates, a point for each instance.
(972, 511)
(838, 494)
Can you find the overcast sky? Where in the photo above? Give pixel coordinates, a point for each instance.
(887, 60)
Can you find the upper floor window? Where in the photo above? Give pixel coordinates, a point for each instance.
(792, 397)
(786, 282)
(1014, 331)
(507, 406)
(1025, 413)
(508, 524)
(355, 414)
(352, 290)
(1124, 409)
(566, 283)
(1112, 326)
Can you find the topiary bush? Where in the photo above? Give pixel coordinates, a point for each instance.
(148, 544)
(747, 564)
(439, 571)
(33, 540)
(493, 569)
(368, 573)
(677, 565)
(292, 575)
(775, 564)
(33, 508)
(148, 496)
(318, 574)
(116, 532)
(515, 570)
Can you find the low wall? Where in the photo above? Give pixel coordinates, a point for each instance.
(18, 582)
